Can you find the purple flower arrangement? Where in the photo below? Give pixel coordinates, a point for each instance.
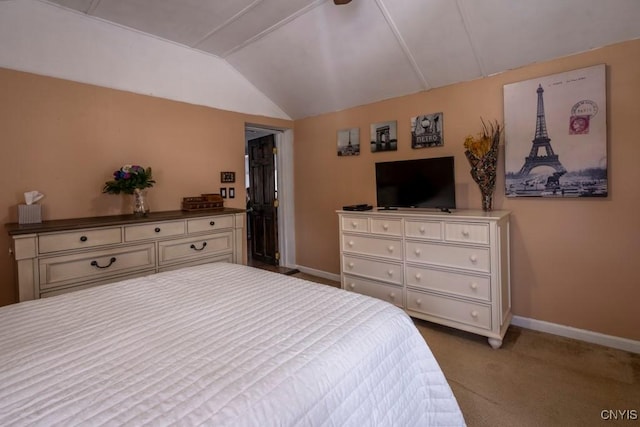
(129, 178)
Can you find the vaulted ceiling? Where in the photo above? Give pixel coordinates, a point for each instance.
(312, 56)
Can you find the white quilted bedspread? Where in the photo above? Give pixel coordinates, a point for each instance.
(220, 345)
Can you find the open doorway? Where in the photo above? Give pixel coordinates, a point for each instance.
(268, 179)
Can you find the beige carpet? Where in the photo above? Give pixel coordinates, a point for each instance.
(535, 379)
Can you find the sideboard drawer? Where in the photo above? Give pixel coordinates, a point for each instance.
(192, 248)
(355, 223)
(153, 230)
(470, 313)
(466, 232)
(94, 265)
(468, 258)
(209, 224)
(389, 293)
(81, 239)
(431, 230)
(389, 227)
(378, 270)
(199, 261)
(386, 248)
(466, 285)
(111, 279)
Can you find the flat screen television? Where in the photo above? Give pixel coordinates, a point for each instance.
(419, 183)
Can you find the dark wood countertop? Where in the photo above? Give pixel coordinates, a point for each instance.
(100, 221)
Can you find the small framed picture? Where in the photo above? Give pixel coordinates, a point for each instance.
(349, 142)
(426, 131)
(223, 192)
(227, 177)
(232, 193)
(384, 136)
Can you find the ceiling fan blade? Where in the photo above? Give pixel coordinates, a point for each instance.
(339, 2)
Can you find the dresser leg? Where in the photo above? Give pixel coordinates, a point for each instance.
(495, 343)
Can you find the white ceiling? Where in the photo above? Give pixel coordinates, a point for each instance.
(311, 56)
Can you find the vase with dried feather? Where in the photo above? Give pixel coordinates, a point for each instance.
(482, 153)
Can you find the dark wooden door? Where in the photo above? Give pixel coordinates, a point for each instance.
(263, 217)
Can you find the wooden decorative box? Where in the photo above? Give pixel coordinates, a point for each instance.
(204, 201)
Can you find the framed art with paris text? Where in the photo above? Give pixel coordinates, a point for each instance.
(556, 135)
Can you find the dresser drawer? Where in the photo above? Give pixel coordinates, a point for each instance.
(354, 223)
(467, 285)
(469, 313)
(211, 223)
(378, 270)
(431, 230)
(74, 287)
(387, 293)
(199, 261)
(466, 232)
(193, 248)
(475, 259)
(95, 265)
(153, 230)
(70, 240)
(375, 246)
(389, 227)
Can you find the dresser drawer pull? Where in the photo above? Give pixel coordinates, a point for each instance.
(474, 286)
(473, 258)
(83, 238)
(385, 227)
(111, 261)
(204, 244)
(474, 314)
(418, 301)
(422, 229)
(352, 285)
(418, 276)
(350, 265)
(390, 273)
(392, 295)
(390, 248)
(157, 229)
(417, 251)
(465, 233)
(354, 224)
(212, 223)
(350, 243)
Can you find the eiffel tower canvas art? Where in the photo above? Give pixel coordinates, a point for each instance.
(555, 135)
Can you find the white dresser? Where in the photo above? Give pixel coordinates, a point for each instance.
(451, 269)
(61, 256)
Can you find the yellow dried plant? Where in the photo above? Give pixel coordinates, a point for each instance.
(478, 146)
(485, 141)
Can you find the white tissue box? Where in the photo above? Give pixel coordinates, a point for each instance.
(29, 214)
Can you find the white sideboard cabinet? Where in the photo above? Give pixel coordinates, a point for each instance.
(447, 268)
(60, 256)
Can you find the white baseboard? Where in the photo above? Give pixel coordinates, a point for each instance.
(578, 334)
(319, 273)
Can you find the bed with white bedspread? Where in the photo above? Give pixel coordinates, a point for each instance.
(222, 345)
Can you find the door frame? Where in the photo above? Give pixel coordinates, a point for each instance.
(284, 177)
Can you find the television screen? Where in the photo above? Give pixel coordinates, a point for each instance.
(420, 183)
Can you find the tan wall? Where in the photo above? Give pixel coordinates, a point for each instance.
(574, 262)
(66, 139)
